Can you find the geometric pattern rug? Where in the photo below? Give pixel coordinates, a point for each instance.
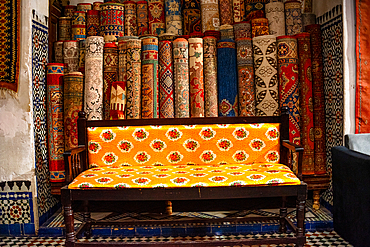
(313, 239)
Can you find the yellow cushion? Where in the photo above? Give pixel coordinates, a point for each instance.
(197, 144)
(152, 176)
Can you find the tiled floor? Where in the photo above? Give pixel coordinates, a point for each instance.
(316, 239)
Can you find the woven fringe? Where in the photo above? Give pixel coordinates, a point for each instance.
(334, 12)
(5, 91)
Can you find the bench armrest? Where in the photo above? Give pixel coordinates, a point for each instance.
(75, 162)
(287, 156)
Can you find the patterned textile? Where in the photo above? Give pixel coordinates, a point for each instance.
(142, 18)
(191, 16)
(73, 100)
(69, 10)
(84, 7)
(293, 18)
(265, 74)
(133, 84)
(97, 5)
(210, 144)
(81, 58)
(10, 43)
(173, 16)
(210, 15)
(122, 59)
(196, 77)
(227, 77)
(110, 74)
(318, 98)
(288, 83)
(58, 52)
(226, 13)
(130, 18)
(227, 31)
(260, 26)
(93, 105)
(65, 28)
(306, 103)
(55, 121)
(151, 176)
(112, 19)
(181, 77)
(166, 37)
(71, 53)
(332, 47)
(117, 100)
(307, 6)
(245, 77)
(239, 11)
(79, 25)
(254, 9)
(92, 22)
(149, 79)
(362, 112)
(242, 30)
(308, 19)
(216, 34)
(275, 15)
(166, 83)
(156, 17)
(210, 76)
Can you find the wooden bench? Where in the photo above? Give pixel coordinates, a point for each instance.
(132, 156)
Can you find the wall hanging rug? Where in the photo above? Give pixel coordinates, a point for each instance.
(130, 18)
(227, 78)
(79, 25)
(166, 83)
(181, 77)
(84, 7)
(196, 81)
(55, 121)
(133, 84)
(239, 11)
(308, 19)
(293, 18)
(276, 16)
(65, 28)
(112, 19)
(210, 15)
(110, 74)
(227, 31)
(97, 5)
(246, 90)
(191, 16)
(242, 30)
(10, 42)
(306, 103)
(254, 9)
(117, 100)
(73, 100)
(93, 105)
(71, 55)
(92, 23)
(260, 26)
(173, 16)
(58, 52)
(149, 79)
(287, 50)
(156, 17)
(332, 47)
(142, 18)
(69, 10)
(265, 75)
(226, 13)
(210, 76)
(318, 98)
(81, 59)
(362, 71)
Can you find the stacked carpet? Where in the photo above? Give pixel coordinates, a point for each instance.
(156, 17)
(191, 16)
(71, 55)
(65, 28)
(130, 18)
(196, 81)
(58, 52)
(210, 76)
(166, 82)
(110, 74)
(210, 15)
(226, 13)
(293, 18)
(173, 17)
(276, 16)
(92, 23)
(142, 18)
(260, 26)
(79, 25)
(81, 58)
(112, 19)
(117, 100)
(242, 30)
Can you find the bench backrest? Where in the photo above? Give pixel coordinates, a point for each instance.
(184, 144)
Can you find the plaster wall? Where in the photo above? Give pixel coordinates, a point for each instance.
(75, 2)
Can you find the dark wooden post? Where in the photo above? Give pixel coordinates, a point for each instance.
(68, 217)
(301, 206)
(283, 214)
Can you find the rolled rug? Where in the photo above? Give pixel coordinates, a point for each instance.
(79, 25)
(65, 28)
(226, 13)
(166, 82)
(130, 18)
(260, 26)
(110, 74)
(254, 9)
(84, 7)
(173, 17)
(156, 16)
(293, 17)
(210, 15)
(167, 37)
(196, 77)
(239, 11)
(227, 31)
(191, 16)
(142, 18)
(92, 22)
(275, 15)
(71, 55)
(112, 19)
(117, 100)
(97, 5)
(81, 59)
(242, 30)
(69, 10)
(210, 76)
(58, 52)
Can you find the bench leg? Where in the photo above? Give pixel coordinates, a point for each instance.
(68, 218)
(301, 206)
(168, 207)
(283, 214)
(87, 219)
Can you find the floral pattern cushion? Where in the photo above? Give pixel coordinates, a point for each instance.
(184, 144)
(153, 176)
